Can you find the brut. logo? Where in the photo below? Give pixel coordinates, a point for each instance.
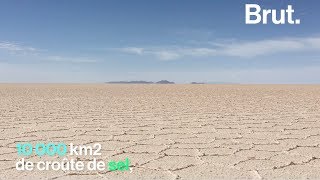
(254, 15)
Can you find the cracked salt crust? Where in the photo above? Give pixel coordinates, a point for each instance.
(169, 131)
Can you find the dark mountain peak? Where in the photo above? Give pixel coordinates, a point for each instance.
(164, 82)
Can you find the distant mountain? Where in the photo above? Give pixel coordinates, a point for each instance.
(197, 83)
(140, 82)
(164, 82)
(130, 82)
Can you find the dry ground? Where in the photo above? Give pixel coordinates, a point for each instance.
(168, 131)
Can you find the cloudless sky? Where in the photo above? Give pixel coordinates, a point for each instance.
(178, 40)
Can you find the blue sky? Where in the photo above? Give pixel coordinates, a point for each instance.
(183, 41)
